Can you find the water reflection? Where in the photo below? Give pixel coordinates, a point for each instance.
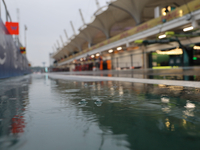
(83, 102)
(133, 113)
(97, 115)
(166, 109)
(98, 102)
(189, 112)
(190, 105)
(165, 99)
(14, 101)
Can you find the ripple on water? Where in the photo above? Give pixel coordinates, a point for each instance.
(148, 106)
(72, 90)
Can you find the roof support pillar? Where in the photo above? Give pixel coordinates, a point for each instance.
(58, 44)
(97, 3)
(61, 40)
(53, 48)
(66, 35)
(73, 27)
(82, 16)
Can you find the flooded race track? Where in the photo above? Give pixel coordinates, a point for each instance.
(37, 112)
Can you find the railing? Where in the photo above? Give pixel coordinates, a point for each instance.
(178, 12)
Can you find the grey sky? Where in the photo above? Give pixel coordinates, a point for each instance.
(46, 20)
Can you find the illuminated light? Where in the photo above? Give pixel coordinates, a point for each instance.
(194, 58)
(92, 56)
(162, 67)
(175, 66)
(138, 41)
(46, 69)
(97, 54)
(110, 51)
(119, 48)
(188, 29)
(163, 12)
(169, 33)
(81, 59)
(177, 51)
(180, 13)
(162, 36)
(196, 47)
(165, 67)
(169, 8)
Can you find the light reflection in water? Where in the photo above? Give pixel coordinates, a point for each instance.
(112, 92)
(189, 105)
(165, 99)
(121, 91)
(167, 123)
(184, 122)
(189, 112)
(14, 101)
(166, 109)
(98, 102)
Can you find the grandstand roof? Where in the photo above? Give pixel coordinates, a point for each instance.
(110, 20)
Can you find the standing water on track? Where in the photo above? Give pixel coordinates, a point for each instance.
(37, 112)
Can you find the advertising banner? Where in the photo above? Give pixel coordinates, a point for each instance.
(13, 28)
(23, 50)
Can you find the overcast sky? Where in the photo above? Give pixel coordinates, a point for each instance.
(46, 21)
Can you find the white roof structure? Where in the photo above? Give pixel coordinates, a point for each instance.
(113, 19)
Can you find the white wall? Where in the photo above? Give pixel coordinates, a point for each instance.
(124, 59)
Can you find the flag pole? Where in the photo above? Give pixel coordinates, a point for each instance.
(25, 39)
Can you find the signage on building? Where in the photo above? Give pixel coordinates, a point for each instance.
(23, 50)
(12, 27)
